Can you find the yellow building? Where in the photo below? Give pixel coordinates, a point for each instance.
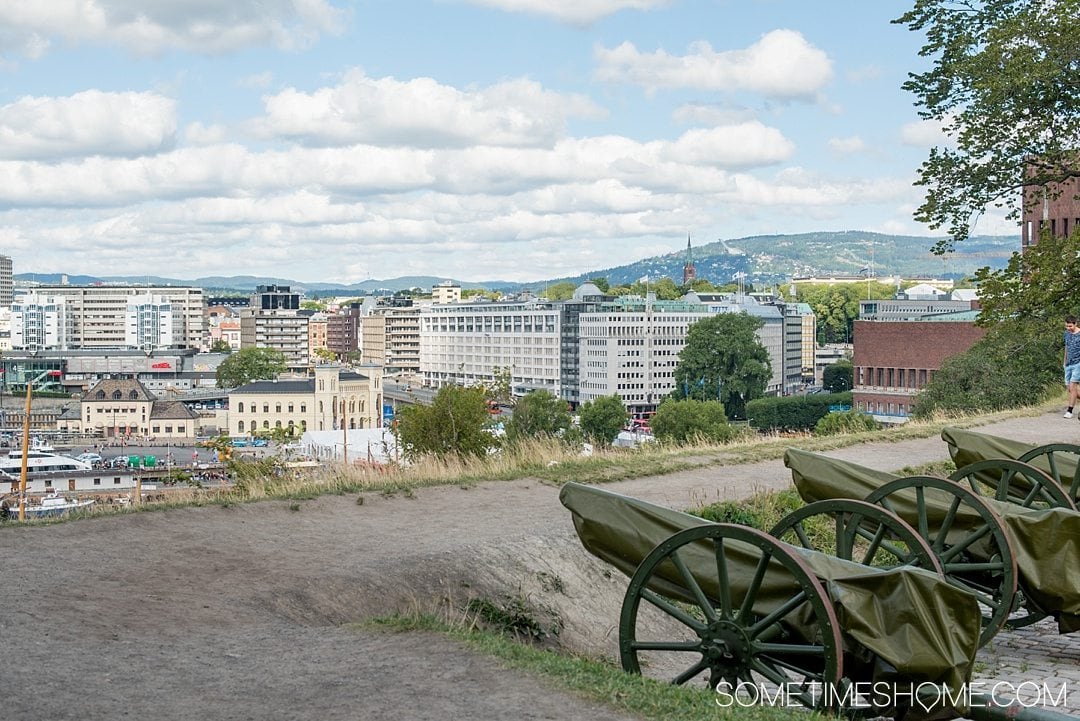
(333, 398)
(116, 408)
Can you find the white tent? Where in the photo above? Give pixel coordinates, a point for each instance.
(375, 445)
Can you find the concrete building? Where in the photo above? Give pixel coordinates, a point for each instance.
(334, 398)
(282, 330)
(391, 338)
(446, 292)
(807, 340)
(468, 343)
(227, 331)
(99, 314)
(40, 322)
(6, 282)
(149, 323)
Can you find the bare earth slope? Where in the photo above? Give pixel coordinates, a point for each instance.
(237, 613)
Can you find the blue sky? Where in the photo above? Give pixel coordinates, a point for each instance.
(336, 140)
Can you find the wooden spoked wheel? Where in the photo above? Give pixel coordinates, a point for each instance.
(758, 615)
(857, 531)
(1051, 456)
(972, 546)
(1004, 479)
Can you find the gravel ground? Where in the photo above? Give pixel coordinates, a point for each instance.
(238, 612)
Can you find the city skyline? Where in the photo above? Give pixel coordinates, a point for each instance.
(472, 139)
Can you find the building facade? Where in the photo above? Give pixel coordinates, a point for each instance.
(343, 330)
(446, 292)
(6, 282)
(1060, 215)
(281, 330)
(149, 322)
(333, 399)
(124, 408)
(391, 338)
(469, 343)
(895, 359)
(99, 314)
(40, 322)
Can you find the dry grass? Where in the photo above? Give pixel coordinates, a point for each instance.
(545, 460)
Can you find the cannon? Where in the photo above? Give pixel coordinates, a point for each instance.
(1057, 460)
(734, 607)
(1008, 554)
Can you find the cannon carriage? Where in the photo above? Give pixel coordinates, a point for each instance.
(1057, 460)
(734, 607)
(1002, 529)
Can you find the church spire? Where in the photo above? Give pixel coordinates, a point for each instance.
(688, 271)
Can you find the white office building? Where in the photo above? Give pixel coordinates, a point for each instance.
(468, 344)
(149, 322)
(39, 322)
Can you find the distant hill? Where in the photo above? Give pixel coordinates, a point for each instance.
(772, 258)
(764, 259)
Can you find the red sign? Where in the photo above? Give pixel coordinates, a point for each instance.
(161, 365)
(55, 374)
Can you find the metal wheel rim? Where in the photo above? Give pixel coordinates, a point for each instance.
(725, 611)
(847, 514)
(1043, 487)
(997, 597)
(1049, 450)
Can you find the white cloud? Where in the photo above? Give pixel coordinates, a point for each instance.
(87, 123)
(198, 134)
(847, 146)
(734, 146)
(149, 27)
(578, 12)
(782, 64)
(924, 134)
(422, 112)
(709, 114)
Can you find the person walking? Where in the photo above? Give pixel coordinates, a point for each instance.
(1072, 362)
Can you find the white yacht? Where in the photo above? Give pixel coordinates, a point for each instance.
(40, 461)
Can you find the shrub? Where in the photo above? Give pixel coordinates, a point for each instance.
(688, 420)
(603, 418)
(794, 413)
(845, 422)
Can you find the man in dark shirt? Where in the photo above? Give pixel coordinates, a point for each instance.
(1072, 362)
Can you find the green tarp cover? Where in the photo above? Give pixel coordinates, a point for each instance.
(1046, 542)
(899, 625)
(967, 447)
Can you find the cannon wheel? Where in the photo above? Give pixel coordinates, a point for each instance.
(723, 637)
(1013, 482)
(992, 581)
(1053, 451)
(881, 529)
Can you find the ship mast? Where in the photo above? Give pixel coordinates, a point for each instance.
(25, 452)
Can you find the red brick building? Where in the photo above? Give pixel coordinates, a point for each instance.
(895, 359)
(1061, 214)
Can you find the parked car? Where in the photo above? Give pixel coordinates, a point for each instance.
(91, 458)
(260, 443)
(239, 443)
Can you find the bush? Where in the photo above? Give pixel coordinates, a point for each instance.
(794, 413)
(838, 377)
(845, 422)
(456, 423)
(688, 420)
(538, 414)
(603, 418)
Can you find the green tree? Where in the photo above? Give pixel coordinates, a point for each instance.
(538, 414)
(723, 359)
(702, 286)
(500, 388)
(837, 306)
(688, 420)
(313, 305)
(1002, 84)
(1040, 284)
(838, 377)
(456, 423)
(601, 283)
(560, 291)
(1017, 363)
(603, 418)
(220, 346)
(325, 354)
(250, 364)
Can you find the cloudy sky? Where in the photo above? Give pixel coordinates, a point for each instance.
(341, 140)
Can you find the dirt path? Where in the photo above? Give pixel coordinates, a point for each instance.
(237, 613)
